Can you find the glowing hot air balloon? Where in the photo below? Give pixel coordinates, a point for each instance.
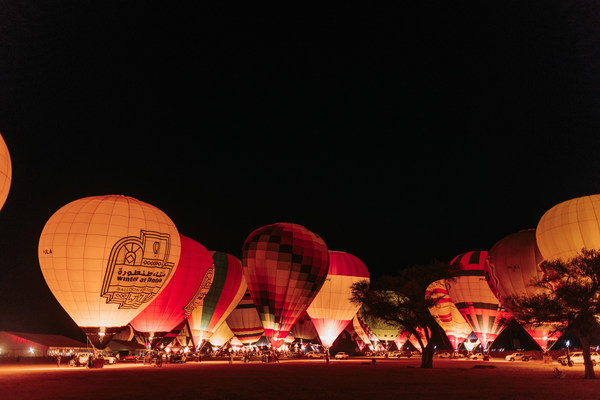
(105, 258)
(380, 330)
(244, 321)
(473, 297)
(225, 293)
(221, 335)
(355, 336)
(401, 339)
(568, 227)
(363, 332)
(5, 171)
(190, 283)
(413, 340)
(331, 310)
(511, 270)
(285, 265)
(304, 329)
(446, 314)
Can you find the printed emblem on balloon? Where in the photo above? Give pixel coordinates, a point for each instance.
(141, 266)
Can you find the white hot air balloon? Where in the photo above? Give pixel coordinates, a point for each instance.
(105, 258)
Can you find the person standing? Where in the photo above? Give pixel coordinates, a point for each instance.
(58, 361)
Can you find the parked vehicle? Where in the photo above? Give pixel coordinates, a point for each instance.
(314, 354)
(444, 355)
(341, 356)
(577, 358)
(476, 356)
(518, 357)
(108, 357)
(80, 359)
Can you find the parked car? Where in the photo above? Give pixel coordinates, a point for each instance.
(341, 356)
(108, 357)
(577, 358)
(476, 356)
(314, 354)
(444, 355)
(518, 357)
(130, 359)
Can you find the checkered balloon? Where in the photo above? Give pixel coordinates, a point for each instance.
(284, 265)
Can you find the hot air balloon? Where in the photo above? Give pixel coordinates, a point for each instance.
(331, 310)
(473, 297)
(363, 332)
(304, 329)
(225, 293)
(5, 171)
(381, 331)
(186, 289)
(401, 339)
(446, 314)
(285, 265)
(568, 227)
(413, 339)
(355, 336)
(221, 335)
(244, 321)
(105, 258)
(511, 269)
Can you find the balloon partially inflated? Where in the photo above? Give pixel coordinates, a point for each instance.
(105, 258)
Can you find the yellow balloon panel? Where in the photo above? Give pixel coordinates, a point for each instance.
(221, 336)
(5, 171)
(568, 227)
(333, 299)
(106, 257)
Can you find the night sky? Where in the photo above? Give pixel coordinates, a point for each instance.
(400, 134)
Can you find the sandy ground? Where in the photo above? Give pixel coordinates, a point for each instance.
(306, 379)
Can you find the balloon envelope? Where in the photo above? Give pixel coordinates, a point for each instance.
(511, 270)
(285, 265)
(186, 289)
(568, 227)
(446, 314)
(105, 258)
(244, 321)
(473, 297)
(225, 293)
(5, 171)
(331, 309)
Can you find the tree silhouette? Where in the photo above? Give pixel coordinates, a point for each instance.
(400, 301)
(569, 298)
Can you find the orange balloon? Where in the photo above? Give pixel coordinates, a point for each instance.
(5, 171)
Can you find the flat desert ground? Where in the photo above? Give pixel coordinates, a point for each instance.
(301, 379)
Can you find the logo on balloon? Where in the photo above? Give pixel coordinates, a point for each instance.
(137, 269)
(200, 294)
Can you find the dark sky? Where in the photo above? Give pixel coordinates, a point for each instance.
(400, 134)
